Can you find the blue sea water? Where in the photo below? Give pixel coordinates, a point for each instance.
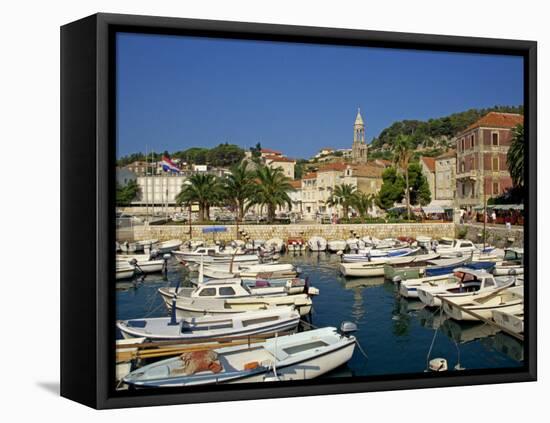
(395, 333)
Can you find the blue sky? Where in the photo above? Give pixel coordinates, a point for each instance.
(177, 92)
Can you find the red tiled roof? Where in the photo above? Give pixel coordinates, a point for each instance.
(296, 184)
(331, 167)
(497, 120)
(367, 171)
(270, 151)
(279, 159)
(310, 175)
(429, 162)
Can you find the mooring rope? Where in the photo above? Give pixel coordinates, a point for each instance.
(433, 339)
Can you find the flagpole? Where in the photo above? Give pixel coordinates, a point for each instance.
(154, 193)
(146, 183)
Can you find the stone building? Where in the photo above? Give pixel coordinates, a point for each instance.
(482, 148)
(309, 196)
(284, 163)
(359, 147)
(428, 170)
(159, 189)
(445, 177)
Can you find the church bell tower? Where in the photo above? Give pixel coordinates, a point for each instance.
(359, 147)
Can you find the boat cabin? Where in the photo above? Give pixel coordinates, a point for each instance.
(215, 289)
(470, 280)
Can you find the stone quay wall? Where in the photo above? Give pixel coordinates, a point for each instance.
(497, 235)
(265, 232)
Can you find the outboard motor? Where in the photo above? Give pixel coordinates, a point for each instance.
(396, 280)
(347, 328)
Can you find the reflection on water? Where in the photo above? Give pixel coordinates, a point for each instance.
(395, 332)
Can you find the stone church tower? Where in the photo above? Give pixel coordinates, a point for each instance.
(359, 147)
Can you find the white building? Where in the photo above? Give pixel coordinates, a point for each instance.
(159, 189)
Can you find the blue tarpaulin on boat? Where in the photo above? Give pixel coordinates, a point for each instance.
(214, 229)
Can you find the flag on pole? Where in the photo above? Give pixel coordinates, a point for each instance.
(169, 166)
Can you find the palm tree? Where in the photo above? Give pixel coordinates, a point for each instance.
(343, 195)
(239, 187)
(203, 189)
(402, 156)
(363, 202)
(271, 190)
(515, 156)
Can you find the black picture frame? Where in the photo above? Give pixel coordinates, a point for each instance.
(88, 231)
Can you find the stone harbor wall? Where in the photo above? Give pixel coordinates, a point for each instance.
(265, 232)
(496, 235)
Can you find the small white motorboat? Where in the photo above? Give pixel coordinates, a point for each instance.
(124, 271)
(232, 295)
(355, 244)
(275, 244)
(204, 328)
(377, 265)
(375, 254)
(511, 264)
(168, 246)
(317, 243)
(468, 284)
(141, 262)
(266, 270)
(337, 245)
(299, 356)
(509, 300)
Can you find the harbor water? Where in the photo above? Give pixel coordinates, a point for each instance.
(395, 333)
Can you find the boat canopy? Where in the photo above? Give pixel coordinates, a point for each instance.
(434, 208)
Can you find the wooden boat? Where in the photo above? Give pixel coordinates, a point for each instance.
(408, 267)
(377, 267)
(125, 367)
(409, 288)
(317, 243)
(267, 270)
(292, 285)
(355, 244)
(205, 328)
(469, 283)
(513, 321)
(230, 296)
(168, 246)
(375, 254)
(337, 245)
(511, 264)
(429, 268)
(509, 300)
(141, 262)
(275, 244)
(449, 248)
(295, 244)
(300, 356)
(124, 271)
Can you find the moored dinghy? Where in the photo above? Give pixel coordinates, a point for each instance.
(169, 246)
(300, 356)
(317, 243)
(204, 328)
(509, 300)
(337, 245)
